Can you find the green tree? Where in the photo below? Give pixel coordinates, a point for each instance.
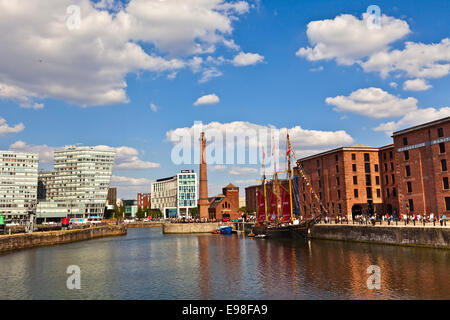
(140, 214)
(246, 210)
(194, 212)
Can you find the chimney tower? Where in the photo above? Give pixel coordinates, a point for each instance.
(203, 202)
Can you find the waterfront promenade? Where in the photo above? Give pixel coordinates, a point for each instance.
(9, 243)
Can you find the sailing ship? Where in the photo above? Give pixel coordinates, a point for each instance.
(278, 212)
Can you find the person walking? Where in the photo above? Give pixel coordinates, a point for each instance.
(444, 219)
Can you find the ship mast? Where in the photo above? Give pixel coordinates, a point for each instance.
(289, 175)
(264, 183)
(276, 178)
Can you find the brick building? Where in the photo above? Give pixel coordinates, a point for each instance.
(422, 175)
(144, 200)
(225, 205)
(250, 193)
(388, 175)
(346, 179)
(408, 176)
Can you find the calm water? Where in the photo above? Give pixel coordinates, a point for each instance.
(148, 265)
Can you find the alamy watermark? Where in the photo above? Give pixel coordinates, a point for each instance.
(74, 280)
(373, 20)
(227, 145)
(374, 281)
(73, 21)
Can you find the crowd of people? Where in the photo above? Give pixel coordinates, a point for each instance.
(407, 219)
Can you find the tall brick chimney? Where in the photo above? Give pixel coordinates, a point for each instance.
(203, 202)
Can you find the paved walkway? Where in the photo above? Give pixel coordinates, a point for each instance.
(385, 224)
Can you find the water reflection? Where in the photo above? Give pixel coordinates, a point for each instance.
(148, 265)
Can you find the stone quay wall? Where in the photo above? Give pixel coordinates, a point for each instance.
(143, 225)
(37, 239)
(178, 228)
(437, 237)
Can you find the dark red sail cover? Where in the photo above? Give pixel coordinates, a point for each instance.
(261, 215)
(285, 205)
(272, 205)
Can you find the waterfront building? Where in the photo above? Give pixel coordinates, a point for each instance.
(225, 205)
(144, 200)
(18, 187)
(131, 208)
(111, 198)
(389, 188)
(250, 192)
(346, 181)
(175, 196)
(78, 184)
(422, 174)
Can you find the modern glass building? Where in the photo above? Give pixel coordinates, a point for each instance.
(78, 183)
(18, 184)
(175, 196)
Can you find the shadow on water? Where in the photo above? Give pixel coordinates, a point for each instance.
(145, 264)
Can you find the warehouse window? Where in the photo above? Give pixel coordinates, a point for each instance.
(409, 186)
(411, 205)
(445, 180)
(444, 165)
(405, 141)
(440, 132)
(442, 147)
(447, 203)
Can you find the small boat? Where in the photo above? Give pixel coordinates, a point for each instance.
(260, 236)
(224, 230)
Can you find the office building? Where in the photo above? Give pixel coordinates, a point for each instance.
(18, 186)
(175, 196)
(422, 168)
(78, 184)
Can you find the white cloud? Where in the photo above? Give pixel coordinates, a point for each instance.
(45, 152)
(21, 96)
(127, 188)
(247, 182)
(417, 60)
(153, 107)
(247, 59)
(207, 99)
(319, 68)
(374, 103)
(126, 158)
(348, 39)
(416, 85)
(126, 181)
(413, 118)
(5, 128)
(393, 84)
(243, 170)
(304, 141)
(88, 66)
(218, 167)
(209, 73)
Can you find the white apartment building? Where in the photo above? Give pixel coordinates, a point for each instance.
(18, 184)
(78, 184)
(175, 196)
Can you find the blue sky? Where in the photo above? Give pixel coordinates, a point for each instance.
(47, 82)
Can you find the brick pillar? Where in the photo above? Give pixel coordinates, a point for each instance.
(203, 202)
